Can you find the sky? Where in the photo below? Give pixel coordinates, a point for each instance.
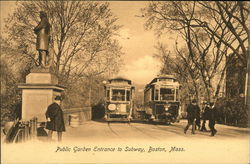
(137, 44)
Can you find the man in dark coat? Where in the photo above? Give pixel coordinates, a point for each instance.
(212, 118)
(205, 116)
(198, 118)
(191, 115)
(55, 121)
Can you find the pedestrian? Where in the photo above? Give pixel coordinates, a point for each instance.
(198, 118)
(205, 116)
(212, 118)
(191, 115)
(55, 121)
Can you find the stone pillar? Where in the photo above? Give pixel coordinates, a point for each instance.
(38, 92)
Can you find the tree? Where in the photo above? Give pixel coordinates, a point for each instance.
(179, 64)
(83, 43)
(82, 36)
(234, 17)
(10, 96)
(207, 42)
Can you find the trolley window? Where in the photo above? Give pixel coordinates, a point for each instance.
(118, 95)
(167, 80)
(177, 94)
(128, 95)
(108, 94)
(156, 94)
(167, 94)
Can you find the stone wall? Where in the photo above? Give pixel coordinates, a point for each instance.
(84, 114)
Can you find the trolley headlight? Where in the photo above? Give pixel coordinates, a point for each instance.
(166, 107)
(111, 107)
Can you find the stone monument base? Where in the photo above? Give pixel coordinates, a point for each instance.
(38, 93)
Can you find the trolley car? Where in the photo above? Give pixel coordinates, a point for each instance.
(162, 99)
(118, 99)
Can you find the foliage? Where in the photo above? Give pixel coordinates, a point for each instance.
(232, 111)
(209, 31)
(10, 96)
(98, 111)
(82, 36)
(183, 68)
(83, 47)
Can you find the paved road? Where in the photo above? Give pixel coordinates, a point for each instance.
(93, 142)
(122, 131)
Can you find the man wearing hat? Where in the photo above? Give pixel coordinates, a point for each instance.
(212, 117)
(192, 111)
(205, 116)
(54, 116)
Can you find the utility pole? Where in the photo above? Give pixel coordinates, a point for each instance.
(90, 90)
(247, 95)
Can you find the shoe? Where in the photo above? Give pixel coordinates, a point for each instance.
(193, 132)
(215, 131)
(185, 131)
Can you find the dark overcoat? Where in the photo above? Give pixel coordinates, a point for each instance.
(205, 114)
(55, 113)
(212, 114)
(192, 111)
(42, 31)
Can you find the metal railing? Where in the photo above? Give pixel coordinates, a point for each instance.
(22, 131)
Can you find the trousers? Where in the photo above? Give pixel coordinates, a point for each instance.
(191, 122)
(211, 126)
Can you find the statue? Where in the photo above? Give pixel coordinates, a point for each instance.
(42, 30)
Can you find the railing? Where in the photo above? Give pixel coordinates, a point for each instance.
(22, 131)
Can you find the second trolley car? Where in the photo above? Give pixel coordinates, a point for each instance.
(162, 99)
(118, 99)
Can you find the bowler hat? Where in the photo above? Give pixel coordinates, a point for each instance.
(194, 101)
(58, 98)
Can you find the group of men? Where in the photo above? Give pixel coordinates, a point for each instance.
(193, 117)
(55, 121)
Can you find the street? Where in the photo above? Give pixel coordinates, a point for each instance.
(135, 142)
(125, 132)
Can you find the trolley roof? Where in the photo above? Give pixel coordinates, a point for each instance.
(120, 79)
(163, 77)
(119, 82)
(155, 80)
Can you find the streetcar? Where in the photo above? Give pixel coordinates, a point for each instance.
(118, 99)
(162, 99)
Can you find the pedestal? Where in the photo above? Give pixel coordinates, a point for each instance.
(38, 93)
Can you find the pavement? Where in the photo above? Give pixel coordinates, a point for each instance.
(134, 142)
(123, 131)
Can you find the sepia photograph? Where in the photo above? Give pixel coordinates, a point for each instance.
(128, 82)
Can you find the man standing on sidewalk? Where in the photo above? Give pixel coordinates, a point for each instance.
(191, 115)
(212, 118)
(205, 116)
(55, 122)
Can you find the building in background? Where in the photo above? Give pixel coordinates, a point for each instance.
(235, 77)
